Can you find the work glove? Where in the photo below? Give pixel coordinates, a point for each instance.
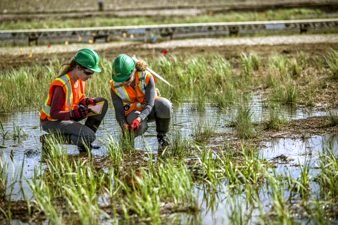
(80, 113)
(135, 124)
(88, 101)
(141, 65)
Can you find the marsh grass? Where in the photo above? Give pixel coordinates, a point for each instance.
(331, 60)
(249, 64)
(286, 94)
(203, 131)
(333, 116)
(250, 169)
(14, 85)
(246, 168)
(18, 133)
(153, 186)
(43, 195)
(237, 214)
(4, 133)
(73, 186)
(115, 152)
(76, 182)
(3, 179)
(202, 79)
(180, 147)
(243, 123)
(328, 177)
(280, 208)
(275, 120)
(304, 181)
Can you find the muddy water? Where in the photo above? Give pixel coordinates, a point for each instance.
(23, 155)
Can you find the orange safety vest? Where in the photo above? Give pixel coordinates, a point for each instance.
(133, 99)
(74, 92)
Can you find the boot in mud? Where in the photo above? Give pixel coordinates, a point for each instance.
(163, 144)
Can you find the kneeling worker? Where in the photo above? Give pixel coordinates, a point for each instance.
(67, 104)
(135, 99)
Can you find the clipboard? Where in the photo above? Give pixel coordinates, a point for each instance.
(95, 109)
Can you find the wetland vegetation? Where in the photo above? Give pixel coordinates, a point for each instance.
(140, 186)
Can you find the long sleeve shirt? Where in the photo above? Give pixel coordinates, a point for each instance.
(149, 102)
(58, 100)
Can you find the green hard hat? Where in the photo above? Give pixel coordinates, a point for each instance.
(89, 59)
(123, 66)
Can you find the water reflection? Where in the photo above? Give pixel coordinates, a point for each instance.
(22, 156)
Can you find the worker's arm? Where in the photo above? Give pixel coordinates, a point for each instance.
(119, 110)
(149, 99)
(58, 100)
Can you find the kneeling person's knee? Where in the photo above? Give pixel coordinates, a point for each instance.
(163, 108)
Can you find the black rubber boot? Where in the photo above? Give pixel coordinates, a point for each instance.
(163, 141)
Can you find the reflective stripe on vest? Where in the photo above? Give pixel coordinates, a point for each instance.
(65, 80)
(121, 91)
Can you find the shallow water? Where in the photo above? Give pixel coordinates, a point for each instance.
(24, 155)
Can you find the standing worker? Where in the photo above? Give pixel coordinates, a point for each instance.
(67, 104)
(135, 99)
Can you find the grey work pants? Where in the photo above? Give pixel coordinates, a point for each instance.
(80, 135)
(161, 114)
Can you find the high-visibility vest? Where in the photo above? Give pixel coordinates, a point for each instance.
(132, 98)
(74, 92)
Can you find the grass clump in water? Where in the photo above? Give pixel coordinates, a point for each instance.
(242, 123)
(275, 120)
(203, 131)
(328, 177)
(333, 118)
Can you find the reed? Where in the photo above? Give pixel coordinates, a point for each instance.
(275, 120)
(43, 196)
(207, 78)
(243, 124)
(14, 85)
(280, 208)
(249, 169)
(209, 166)
(4, 133)
(333, 116)
(280, 65)
(203, 131)
(180, 147)
(331, 60)
(328, 177)
(18, 133)
(246, 168)
(74, 181)
(149, 188)
(3, 179)
(115, 152)
(304, 181)
(81, 192)
(249, 64)
(286, 94)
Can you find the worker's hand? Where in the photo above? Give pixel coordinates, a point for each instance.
(80, 113)
(136, 123)
(141, 65)
(88, 101)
